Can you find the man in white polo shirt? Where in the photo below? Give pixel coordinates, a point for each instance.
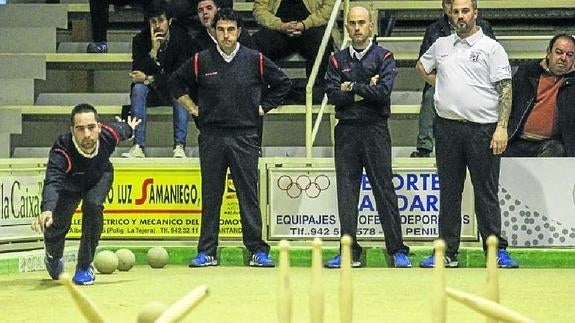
(472, 77)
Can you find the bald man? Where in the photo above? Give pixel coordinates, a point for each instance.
(359, 81)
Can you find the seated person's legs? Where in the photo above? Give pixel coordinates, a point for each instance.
(99, 22)
(180, 120)
(273, 44)
(551, 148)
(426, 115)
(138, 99)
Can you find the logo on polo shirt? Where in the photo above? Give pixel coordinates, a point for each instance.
(474, 56)
(214, 73)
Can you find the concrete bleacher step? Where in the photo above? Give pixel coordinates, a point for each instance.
(71, 99)
(192, 152)
(33, 15)
(80, 47)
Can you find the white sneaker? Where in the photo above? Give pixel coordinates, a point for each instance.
(134, 152)
(179, 152)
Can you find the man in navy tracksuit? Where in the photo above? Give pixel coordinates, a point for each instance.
(79, 169)
(227, 96)
(359, 81)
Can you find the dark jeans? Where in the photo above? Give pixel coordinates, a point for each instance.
(426, 116)
(140, 96)
(369, 146)
(527, 148)
(92, 220)
(276, 45)
(460, 146)
(240, 153)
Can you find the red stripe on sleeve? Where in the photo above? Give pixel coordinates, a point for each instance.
(113, 132)
(68, 159)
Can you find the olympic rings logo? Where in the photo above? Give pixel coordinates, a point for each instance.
(303, 183)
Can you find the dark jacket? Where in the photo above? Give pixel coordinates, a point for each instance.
(375, 103)
(525, 82)
(69, 171)
(170, 56)
(228, 95)
(202, 40)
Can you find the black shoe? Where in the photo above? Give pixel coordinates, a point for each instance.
(420, 153)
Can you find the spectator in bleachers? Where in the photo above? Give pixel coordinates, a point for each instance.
(99, 18)
(99, 15)
(440, 28)
(78, 170)
(206, 36)
(225, 88)
(472, 77)
(157, 51)
(359, 81)
(542, 120)
(295, 26)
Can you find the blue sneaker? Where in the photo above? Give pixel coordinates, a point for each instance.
(54, 266)
(261, 259)
(429, 262)
(84, 276)
(202, 259)
(504, 260)
(400, 260)
(97, 47)
(335, 262)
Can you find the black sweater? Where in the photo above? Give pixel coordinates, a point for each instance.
(228, 94)
(69, 171)
(365, 103)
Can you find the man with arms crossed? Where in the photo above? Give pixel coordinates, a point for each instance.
(359, 81)
(472, 79)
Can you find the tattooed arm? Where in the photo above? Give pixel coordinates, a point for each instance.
(499, 140)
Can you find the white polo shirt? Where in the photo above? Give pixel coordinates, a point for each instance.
(467, 70)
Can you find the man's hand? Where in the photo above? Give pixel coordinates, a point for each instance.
(292, 28)
(43, 221)
(158, 38)
(499, 140)
(345, 86)
(261, 111)
(374, 79)
(138, 76)
(133, 122)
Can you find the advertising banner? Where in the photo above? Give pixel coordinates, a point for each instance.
(537, 197)
(303, 204)
(159, 202)
(20, 196)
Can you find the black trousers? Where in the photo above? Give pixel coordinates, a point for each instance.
(92, 221)
(276, 45)
(241, 154)
(369, 147)
(527, 148)
(99, 16)
(461, 146)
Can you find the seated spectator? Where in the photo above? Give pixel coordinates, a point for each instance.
(294, 26)
(440, 28)
(542, 120)
(157, 51)
(206, 36)
(99, 17)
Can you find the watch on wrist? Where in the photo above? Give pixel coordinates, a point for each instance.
(146, 81)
